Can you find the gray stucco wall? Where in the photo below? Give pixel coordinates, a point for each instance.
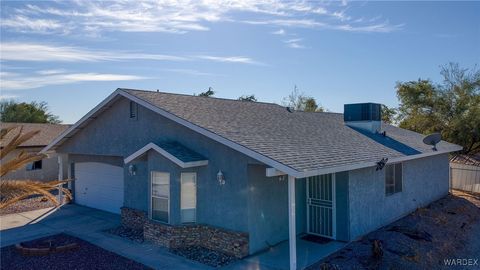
(268, 208)
(114, 134)
(424, 181)
(48, 172)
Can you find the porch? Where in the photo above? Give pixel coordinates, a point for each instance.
(317, 207)
(277, 257)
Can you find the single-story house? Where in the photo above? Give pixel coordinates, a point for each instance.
(42, 170)
(240, 176)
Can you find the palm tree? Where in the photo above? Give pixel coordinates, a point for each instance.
(12, 191)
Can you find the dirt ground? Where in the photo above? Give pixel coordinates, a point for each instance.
(446, 229)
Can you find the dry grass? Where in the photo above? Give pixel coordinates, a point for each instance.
(12, 191)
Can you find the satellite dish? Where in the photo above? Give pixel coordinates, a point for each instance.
(432, 140)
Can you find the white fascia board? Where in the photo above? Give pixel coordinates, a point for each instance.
(81, 121)
(161, 151)
(211, 135)
(271, 172)
(372, 164)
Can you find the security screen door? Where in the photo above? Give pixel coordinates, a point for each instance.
(321, 205)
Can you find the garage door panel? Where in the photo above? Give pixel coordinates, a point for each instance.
(99, 185)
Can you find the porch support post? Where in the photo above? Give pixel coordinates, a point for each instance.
(60, 177)
(69, 175)
(292, 235)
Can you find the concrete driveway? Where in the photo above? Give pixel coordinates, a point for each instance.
(87, 224)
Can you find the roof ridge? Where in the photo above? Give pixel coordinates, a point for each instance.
(188, 95)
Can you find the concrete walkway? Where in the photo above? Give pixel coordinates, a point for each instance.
(88, 224)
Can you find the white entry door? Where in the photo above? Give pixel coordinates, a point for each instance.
(99, 185)
(321, 205)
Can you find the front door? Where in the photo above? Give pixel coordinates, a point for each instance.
(321, 205)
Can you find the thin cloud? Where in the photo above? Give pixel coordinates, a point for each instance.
(42, 52)
(304, 23)
(37, 52)
(51, 71)
(280, 32)
(229, 59)
(176, 16)
(4, 97)
(31, 25)
(309, 23)
(294, 43)
(15, 81)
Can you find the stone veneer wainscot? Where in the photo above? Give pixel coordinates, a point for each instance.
(213, 238)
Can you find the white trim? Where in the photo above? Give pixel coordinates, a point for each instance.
(271, 172)
(292, 234)
(240, 148)
(161, 151)
(60, 177)
(371, 164)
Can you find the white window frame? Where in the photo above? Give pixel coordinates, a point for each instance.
(394, 179)
(151, 196)
(181, 194)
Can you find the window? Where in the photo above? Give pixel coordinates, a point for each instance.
(188, 201)
(160, 193)
(393, 178)
(133, 109)
(36, 165)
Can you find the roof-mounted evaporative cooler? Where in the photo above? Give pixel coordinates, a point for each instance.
(365, 116)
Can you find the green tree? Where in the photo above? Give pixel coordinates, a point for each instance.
(208, 93)
(388, 114)
(451, 107)
(301, 102)
(34, 112)
(251, 98)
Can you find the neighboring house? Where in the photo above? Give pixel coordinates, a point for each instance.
(240, 176)
(465, 172)
(41, 170)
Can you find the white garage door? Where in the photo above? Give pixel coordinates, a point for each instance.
(99, 185)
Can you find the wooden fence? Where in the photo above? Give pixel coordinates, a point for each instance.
(465, 177)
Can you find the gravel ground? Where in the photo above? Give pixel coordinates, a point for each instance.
(205, 256)
(446, 229)
(86, 256)
(33, 203)
(131, 234)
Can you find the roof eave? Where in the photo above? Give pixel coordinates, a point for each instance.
(362, 165)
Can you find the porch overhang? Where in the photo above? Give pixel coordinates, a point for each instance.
(175, 152)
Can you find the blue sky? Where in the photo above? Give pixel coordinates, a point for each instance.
(72, 54)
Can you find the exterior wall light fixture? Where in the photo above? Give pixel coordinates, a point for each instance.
(220, 178)
(132, 169)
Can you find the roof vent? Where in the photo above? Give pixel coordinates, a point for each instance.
(290, 109)
(365, 116)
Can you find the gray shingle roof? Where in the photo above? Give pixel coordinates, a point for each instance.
(303, 141)
(181, 152)
(48, 132)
